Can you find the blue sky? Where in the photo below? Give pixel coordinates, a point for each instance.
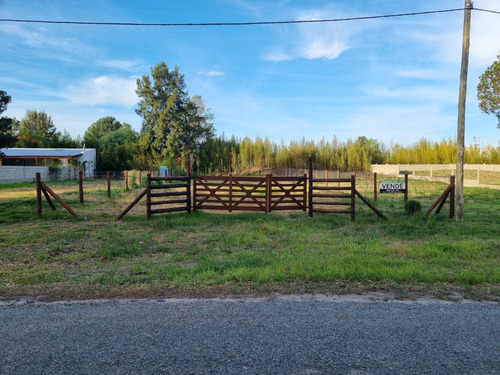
(394, 79)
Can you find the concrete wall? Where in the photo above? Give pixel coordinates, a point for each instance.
(12, 174)
(396, 169)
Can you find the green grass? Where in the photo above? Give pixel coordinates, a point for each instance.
(58, 256)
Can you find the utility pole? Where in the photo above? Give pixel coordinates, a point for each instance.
(459, 209)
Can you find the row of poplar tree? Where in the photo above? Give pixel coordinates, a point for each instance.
(246, 155)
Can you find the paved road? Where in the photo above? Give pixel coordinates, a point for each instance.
(286, 335)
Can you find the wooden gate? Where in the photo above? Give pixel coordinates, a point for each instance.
(230, 193)
(288, 193)
(264, 194)
(167, 194)
(323, 194)
(337, 192)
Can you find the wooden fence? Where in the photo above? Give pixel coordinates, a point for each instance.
(163, 194)
(288, 193)
(264, 194)
(323, 193)
(261, 194)
(167, 194)
(341, 196)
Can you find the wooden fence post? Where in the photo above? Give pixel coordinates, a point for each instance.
(375, 190)
(194, 192)
(189, 185)
(129, 207)
(139, 177)
(310, 197)
(268, 192)
(452, 197)
(126, 180)
(46, 191)
(353, 197)
(304, 195)
(231, 192)
(406, 189)
(38, 195)
(148, 196)
(108, 178)
(80, 185)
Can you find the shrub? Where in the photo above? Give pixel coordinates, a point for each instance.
(412, 207)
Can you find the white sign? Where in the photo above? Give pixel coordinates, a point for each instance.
(392, 186)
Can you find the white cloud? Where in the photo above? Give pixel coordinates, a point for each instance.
(277, 56)
(485, 42)
(104, 90)
(414, 93)
(323, 46)
(443, 36)
(36, 39)
(128, 65)
(326, 40)
(212, 73)
(419, 73)
(315, 40)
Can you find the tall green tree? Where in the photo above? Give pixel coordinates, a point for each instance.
(116, 149)
(196, 126)
(64, 140)
(173, 124)
(36, 130)
(115, 144)
(7, 138)
(488, 90)
(99, 129)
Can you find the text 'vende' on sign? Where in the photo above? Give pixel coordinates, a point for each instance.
(392, 186)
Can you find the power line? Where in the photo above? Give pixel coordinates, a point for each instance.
(487, 10)
(235, 23)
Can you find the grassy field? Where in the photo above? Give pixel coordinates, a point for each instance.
(57, 256)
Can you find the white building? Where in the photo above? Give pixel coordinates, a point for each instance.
(21, 164)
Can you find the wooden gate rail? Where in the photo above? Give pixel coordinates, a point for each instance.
(263, 194)
(374, 209)
(164, 191)
(211, 193)
(287, 193)
(230, 193)
(129, 207)
(336, 196)
(249, 193)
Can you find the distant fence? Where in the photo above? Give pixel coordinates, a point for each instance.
(481, 175)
